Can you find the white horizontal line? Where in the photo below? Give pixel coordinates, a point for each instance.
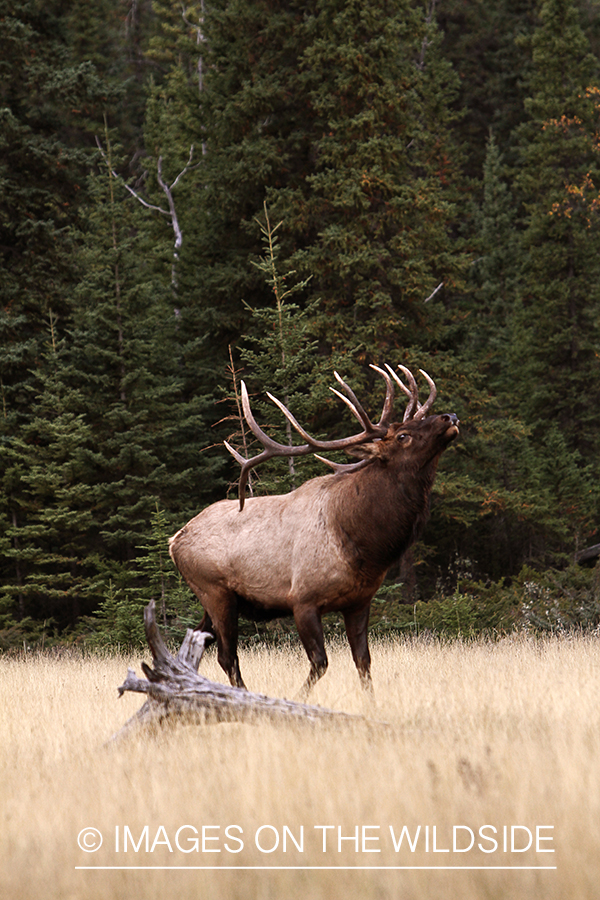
(319, 868)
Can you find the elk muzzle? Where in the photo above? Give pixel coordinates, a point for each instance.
(453, 423)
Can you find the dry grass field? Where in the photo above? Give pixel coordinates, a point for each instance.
(494, 745)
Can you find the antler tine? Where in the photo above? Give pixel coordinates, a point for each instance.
(247, 465)
(388, 404)
(423, 410)
(397, 380)
(272, 448)
(412, 393)
(414, 404)
(352, 403)
(237, 456)
(343, 467)
(291, 419)
(321, 445)
(265, 440)
(355, 412)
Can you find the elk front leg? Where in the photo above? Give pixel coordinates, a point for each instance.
(356, 622)
(310, 629)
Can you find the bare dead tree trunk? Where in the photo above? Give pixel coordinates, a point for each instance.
(167, 189)
(178, 694)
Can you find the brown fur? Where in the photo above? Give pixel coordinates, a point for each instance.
(324, 547)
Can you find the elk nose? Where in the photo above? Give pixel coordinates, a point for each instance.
(453, 419)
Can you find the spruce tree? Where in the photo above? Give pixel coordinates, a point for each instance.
(557, 329)
(50, 569)
(371, 216)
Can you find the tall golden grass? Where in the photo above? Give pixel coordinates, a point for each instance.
(481, 734)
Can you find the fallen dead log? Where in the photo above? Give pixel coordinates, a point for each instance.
(177, 693)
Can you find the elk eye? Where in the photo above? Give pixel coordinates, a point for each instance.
(402, 436)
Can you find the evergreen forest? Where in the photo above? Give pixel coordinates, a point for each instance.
(195, 193)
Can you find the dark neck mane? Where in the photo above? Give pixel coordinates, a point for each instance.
(385, 512)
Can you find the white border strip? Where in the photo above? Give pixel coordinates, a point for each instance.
(317, 868)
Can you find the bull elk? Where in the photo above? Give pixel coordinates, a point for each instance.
(326, 546)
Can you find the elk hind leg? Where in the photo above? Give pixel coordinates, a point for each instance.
(206, 627)
(227, 637)
(222, 621)
(356, 622)
(310, 630)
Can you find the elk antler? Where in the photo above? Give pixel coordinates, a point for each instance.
(370, 432)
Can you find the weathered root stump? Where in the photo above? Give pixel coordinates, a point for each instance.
(178, 694)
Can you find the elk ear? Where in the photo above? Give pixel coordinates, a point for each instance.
(365, 451)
